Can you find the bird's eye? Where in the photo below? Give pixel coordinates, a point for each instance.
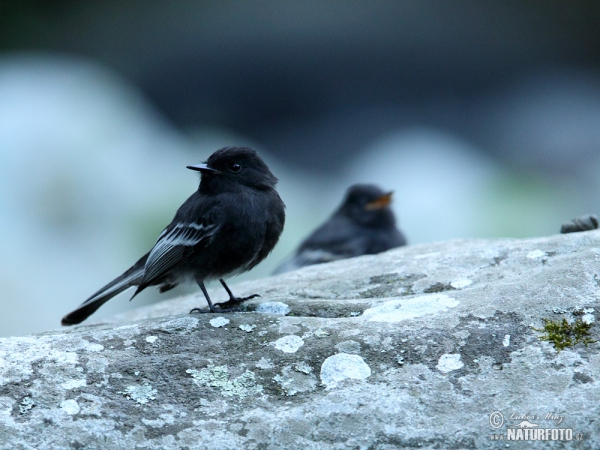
(235, 167)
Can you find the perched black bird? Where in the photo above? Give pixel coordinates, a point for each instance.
(229, 225)
(363, 225)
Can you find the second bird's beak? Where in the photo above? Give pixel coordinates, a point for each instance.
(202, 168)
(380, 202)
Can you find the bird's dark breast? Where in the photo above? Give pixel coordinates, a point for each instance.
(244, 240)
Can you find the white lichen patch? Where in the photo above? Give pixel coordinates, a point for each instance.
(462, 334)
(292, 382)
(348, 347)
(289, 328)
(342, 366)
(218, 376)
(180, 325)
(219, 322)
(247, 327)
(449, 362)
(91, 405)
(97, 364)
(63, 357)
(92, 347)
(154, 423)
(151, 339)
(165, 419)
(277, 308)
(141, 394)
(398, 310)
(264, 363)
(71, 407)
(506, 340)
(19, 353)
(302, 367)
(320, 333)
(289, 344)
(588, 318)
(536, 254)
(26, 404)
(73, 384)
(461, 283)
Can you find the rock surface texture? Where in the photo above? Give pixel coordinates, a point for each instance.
(428, 346)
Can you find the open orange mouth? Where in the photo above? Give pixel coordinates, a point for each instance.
(380, 202)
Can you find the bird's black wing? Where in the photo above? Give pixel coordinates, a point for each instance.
(337, 238)
(173, 247)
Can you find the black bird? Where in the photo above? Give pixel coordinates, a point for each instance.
(363, 225)
(229, 225)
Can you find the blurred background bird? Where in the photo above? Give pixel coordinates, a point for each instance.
(484, 114)
(362, 225)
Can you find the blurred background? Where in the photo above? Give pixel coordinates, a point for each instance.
(483, 117)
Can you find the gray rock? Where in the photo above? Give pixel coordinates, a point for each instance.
(422, 347)
(581, 223)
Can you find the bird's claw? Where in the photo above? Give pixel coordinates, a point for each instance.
(215, 310)
(242, 299)
(229, 310)
(201, 311)
(235, 301)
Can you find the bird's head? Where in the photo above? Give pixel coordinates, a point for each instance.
(234, 166)
(367, 204)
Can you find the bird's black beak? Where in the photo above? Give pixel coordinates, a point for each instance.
(380, 202)
(202, 168)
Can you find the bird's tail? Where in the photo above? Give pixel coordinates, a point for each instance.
(131, 277)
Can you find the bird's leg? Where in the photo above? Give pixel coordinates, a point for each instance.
(210, 305)
(233, 300)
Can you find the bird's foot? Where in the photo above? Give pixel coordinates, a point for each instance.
(201, 311)
(234, 301)
(216, 310)
(229, 310)
(224, 307)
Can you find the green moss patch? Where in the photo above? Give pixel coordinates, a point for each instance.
(564, 334)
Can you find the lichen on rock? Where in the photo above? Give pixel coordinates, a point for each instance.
(415, 347)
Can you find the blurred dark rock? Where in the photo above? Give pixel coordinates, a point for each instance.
(582, 223)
